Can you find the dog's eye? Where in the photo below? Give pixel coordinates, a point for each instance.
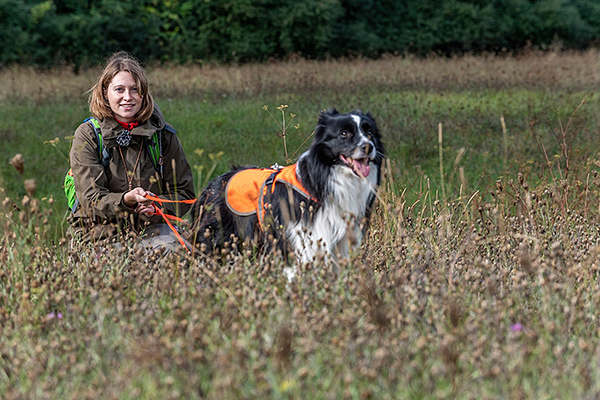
(344, 134)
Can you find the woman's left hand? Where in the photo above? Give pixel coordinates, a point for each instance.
(146, 209)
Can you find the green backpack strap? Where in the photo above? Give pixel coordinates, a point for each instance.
(154, 146)
(103, 153)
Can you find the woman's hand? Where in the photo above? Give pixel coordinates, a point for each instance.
(138, 196)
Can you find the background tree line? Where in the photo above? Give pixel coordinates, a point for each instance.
(82, 32)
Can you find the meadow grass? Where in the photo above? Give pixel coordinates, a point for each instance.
(489, 293)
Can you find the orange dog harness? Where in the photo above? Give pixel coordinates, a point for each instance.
(246, 190)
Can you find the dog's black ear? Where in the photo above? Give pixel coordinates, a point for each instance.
(324, 115)
(372, 118)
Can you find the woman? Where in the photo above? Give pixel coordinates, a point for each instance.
(113, 196)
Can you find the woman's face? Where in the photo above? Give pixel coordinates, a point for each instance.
(123, 96)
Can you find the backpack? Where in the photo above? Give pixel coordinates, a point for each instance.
(153, 145)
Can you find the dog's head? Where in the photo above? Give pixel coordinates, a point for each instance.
(349, 139)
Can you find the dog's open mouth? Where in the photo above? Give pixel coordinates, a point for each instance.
(360, 166)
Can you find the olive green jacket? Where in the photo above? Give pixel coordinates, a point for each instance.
(100, 190)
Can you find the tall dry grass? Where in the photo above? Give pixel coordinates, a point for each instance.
(565, 70)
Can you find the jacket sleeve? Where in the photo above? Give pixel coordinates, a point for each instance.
(178, 177)
(91, 181)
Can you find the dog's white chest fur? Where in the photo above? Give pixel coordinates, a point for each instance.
(335, 228)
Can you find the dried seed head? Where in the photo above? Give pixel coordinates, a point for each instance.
(30, 187)
(18, 163)
(499, 185)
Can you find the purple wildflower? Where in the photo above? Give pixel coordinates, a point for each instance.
(53, 315)
(516, 327)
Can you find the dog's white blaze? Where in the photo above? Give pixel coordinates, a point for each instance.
(356, 119)
(335, 227)
(363, 140)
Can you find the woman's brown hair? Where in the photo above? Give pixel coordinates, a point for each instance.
(118, 62)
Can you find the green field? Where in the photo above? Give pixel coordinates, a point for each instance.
(477, 278)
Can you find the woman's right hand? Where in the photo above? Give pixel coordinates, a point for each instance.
(138, 196)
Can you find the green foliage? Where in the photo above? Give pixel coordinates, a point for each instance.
(64, 32)
(15, 26)
(248, 30)
(58, 32)
(307, 28)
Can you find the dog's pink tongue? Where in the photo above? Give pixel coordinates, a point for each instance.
(362, 166)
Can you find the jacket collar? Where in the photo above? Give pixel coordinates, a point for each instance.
(111, 128)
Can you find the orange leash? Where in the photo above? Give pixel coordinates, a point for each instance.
(167, 217)
(158, 199)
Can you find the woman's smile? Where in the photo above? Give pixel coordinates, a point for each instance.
(123, 97)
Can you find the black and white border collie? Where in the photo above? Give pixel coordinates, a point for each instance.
(341, 172)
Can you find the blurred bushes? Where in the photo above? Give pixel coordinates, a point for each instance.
(80, 33)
